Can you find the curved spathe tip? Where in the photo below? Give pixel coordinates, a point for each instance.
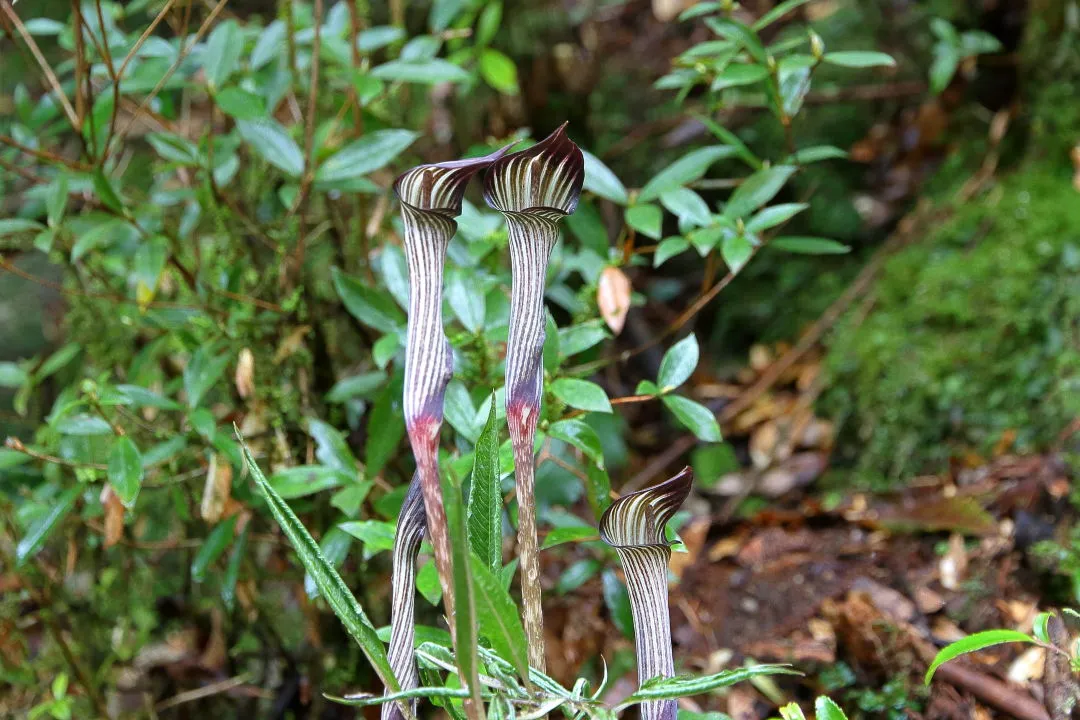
(440, 187)
(545, 177)
(638, 519)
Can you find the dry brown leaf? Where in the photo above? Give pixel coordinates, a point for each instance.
(245, 374)
(613, 298)
(1027, 667)
(114, 516)
(217, 490)
(928, 601)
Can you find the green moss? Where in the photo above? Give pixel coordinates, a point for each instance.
(974, 333)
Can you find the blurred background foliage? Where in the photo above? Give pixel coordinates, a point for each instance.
(197, 231)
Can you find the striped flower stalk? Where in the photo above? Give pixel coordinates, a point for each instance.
(430, 200)
(533, 188)
(408, 535)
(634, 526)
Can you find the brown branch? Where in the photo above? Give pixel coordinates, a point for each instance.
(43, 155)
(184, 52)
(123, 66)
(54, 83)
(13, 443)
(309, 141)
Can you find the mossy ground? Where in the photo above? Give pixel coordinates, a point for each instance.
(974, 334)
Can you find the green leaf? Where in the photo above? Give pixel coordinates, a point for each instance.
(581, 435)
(373, 151)
(687, 205)
(646, 219)
(600, 180)
(464, 601)
(826, 709)
(579, 573)
(125, 470)
(683, 171)
(272, 142)
(269, 45)
(777, 12)
(485, 497)
(698, 418)
(386, 428)
(573, 533)
(581, 394)
(425, 72)
(201, 374)
(810, 245)
(1040, 627)
(597, 489)
(859, 59)
(42, 527)
(498, 617)
(678, 363)
(232, 570)
(488, 24)
(56, 202)
(757, 190)
(240, 104)
(427, 583)
(374, 308)
(101, 234)
(222, 54)
(326, 578)
(11, 226)
(466, 298)
(943, 67)
(972, 643)
(739, 33)
(11, 375)
(773, 216)
(174, 148)
(792, 711)
(579, 338)
(738, 74)
(499, 71)
(83, 425)
(330, 447)
(105, 192)
(334, 546)
(304, 480)
(362, 385)
(736, 251)
(212, 548)
(141, 397)
(817, 153)
(617, 600)
(669, 248)
(662, 688)
(377, 536)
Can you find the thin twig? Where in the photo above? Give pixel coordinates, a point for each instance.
(203, 692)
(184, 52)
(54, 83)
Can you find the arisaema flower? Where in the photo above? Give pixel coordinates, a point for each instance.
(533, 188)
(431, 198)
(634, 526)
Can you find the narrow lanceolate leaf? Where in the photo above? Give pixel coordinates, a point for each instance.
(634, 526)
(330, 584)
(533, 188)
(464, 621)
(431, 198)
(407, 537)
(485, 497)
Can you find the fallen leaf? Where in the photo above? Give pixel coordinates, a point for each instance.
(114, 515)
(613, 298)
(217, 490)
(245, 374)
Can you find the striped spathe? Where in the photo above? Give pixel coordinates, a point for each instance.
(534, 189)
(634, 525)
